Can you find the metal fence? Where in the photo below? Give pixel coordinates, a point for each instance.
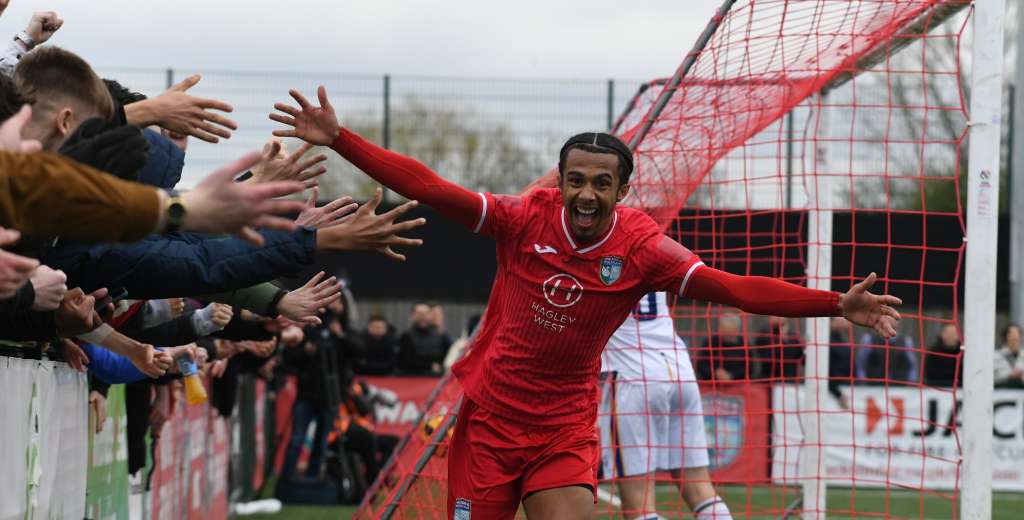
(484, 133)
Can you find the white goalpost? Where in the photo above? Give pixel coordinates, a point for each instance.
(982, 236)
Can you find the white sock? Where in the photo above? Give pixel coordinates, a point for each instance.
(712, 509)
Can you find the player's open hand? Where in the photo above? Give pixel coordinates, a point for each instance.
(365, 230)
(315, 125)
(870, 310)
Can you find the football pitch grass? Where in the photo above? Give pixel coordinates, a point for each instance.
(765, 503)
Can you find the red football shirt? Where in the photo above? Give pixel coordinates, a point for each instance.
(554, 304)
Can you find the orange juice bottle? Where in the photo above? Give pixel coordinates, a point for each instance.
(195, 392)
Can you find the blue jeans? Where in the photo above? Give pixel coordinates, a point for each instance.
(303, 413)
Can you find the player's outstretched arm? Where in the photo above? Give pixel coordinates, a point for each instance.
(774, 297)
(410, 178)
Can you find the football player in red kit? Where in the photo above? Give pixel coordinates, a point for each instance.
(571, 266)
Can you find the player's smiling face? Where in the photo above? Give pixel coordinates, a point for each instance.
(591, 187)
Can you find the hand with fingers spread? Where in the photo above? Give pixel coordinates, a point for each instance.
(302, 304)
(49, 285)
(77, 314)
(10, 133)
(277, 164)
(315, 125)
(870, 310)
(183, 114)
(327, 215)
(219, 204)
(365, 230)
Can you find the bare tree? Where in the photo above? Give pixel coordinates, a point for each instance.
(462, 145)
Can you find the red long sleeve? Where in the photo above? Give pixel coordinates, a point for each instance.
(410, 178)
(761, 295)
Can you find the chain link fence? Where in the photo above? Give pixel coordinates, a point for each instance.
(493, 134)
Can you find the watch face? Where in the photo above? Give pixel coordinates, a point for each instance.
(176, 211)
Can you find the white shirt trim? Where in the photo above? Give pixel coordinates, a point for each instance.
(483, 213)
(565, 229)
(615, 220)
(568, 236)
(686, 279)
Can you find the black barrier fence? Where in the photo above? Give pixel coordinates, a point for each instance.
(920, 251)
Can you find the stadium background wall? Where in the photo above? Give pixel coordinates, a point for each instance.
(455, 266)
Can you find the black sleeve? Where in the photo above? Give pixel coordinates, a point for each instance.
(24, 324)
(210, 346)
(98, 385)
(247, 362)
(171, 333)
(25, 296)
(406, 352)
(241, 330)
(295, 358)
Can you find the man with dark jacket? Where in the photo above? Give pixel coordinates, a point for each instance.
(313, 357)
(779, 351)
(375, 350)
(422, 348)
(724, 356)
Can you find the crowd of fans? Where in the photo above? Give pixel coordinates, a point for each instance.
(776, 353)
(105, 265)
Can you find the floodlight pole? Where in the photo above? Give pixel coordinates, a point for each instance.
(982, 234)
(819, 276)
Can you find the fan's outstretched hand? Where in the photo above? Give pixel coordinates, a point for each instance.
(315, 125)
(870, 310)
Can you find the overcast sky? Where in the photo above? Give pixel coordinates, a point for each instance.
(525, 38)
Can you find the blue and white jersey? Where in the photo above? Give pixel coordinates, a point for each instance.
(646, 348)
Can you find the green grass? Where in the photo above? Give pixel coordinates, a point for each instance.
(763, 502)
(310, 513)
(760, 503)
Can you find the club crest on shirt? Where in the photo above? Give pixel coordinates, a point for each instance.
(462, 509)
(611, 269)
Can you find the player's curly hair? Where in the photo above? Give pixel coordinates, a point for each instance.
(599, 142)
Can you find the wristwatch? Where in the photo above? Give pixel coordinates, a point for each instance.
(26, 39)
(174, 213)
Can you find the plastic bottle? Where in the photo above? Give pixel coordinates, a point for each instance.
(195, 392)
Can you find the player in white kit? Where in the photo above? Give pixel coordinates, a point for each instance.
(651, 415)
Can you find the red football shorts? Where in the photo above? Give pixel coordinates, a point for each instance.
(494, 463)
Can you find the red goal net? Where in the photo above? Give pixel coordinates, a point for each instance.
(815, 141)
